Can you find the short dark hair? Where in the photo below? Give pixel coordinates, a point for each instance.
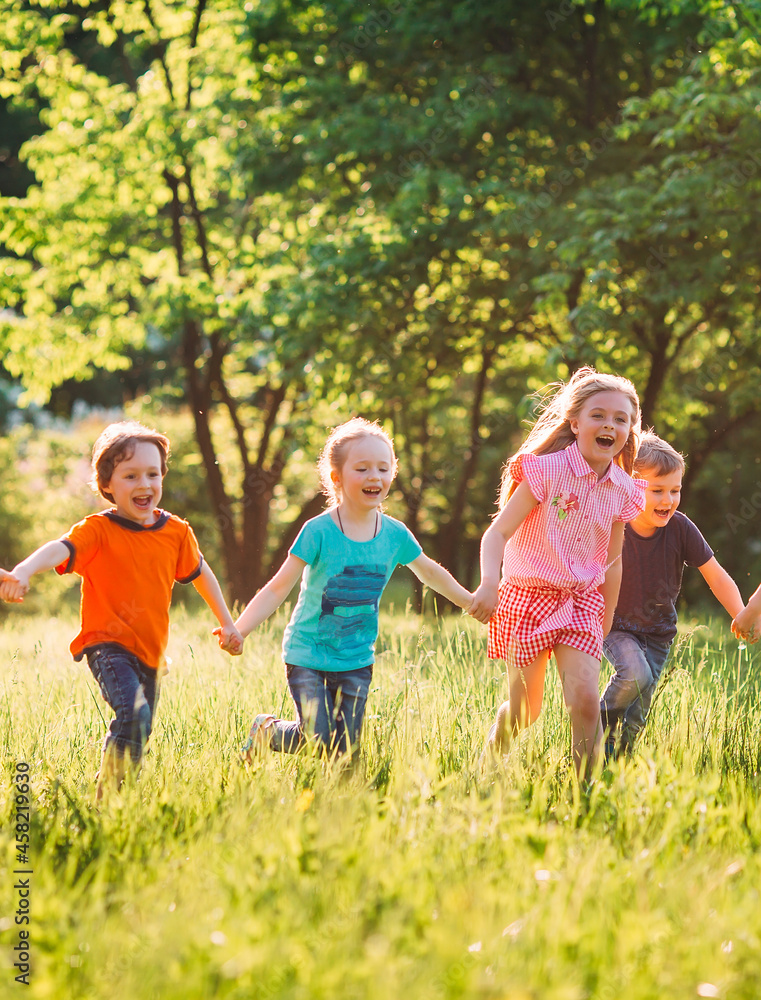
(117, 443)
(656, 454)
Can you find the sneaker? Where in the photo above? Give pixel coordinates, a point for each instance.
(258, 740)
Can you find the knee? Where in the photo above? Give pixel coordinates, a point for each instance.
(584, 703)
(632, 670)
(133, 725)
(143, 720)
(316, 729)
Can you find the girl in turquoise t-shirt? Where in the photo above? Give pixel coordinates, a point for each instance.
(344, 557)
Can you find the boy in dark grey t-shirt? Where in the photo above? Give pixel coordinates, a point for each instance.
(657, 544)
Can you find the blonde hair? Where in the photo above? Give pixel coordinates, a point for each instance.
(656, 454)
(552, 431)
(117, 443)
(334, 453)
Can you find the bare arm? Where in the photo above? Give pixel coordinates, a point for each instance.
(441, 580)
(723, 587)
(208, 587)
(502, 528)
(611, 585)
(46, 557)
(271, 596)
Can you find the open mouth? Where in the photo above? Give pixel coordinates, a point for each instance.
(662, 513)
(371, 491)
(605, 441)
(142, 503)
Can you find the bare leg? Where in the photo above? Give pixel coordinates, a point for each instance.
(526, 690)
(580, 676)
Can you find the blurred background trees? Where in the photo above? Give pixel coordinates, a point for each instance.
(247, 222)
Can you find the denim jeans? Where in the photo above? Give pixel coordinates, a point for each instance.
(330, 706)
(637, 662)
(131, 689)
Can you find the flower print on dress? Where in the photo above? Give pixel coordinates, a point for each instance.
(565, 502)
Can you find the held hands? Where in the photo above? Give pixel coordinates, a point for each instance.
(745, 626)
(484, 602)
(230, 639)
(12, 587)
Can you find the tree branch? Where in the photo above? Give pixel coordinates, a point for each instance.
(159, 50)
(200, 7)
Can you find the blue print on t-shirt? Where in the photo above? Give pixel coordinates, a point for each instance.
(350, 601)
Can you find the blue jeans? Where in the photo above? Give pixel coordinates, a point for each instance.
(330, 706)
(637, 662)
(131, 689)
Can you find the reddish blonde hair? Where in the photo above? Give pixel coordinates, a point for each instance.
(563, 403)
(117, 443)
(333, 455)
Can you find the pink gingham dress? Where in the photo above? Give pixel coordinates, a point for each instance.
(556, 560)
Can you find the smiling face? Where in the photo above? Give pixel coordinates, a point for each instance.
(662, 498)
(602, 427)
(136, 484)
(364, 479)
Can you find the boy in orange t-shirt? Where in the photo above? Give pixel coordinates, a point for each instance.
(129, 558)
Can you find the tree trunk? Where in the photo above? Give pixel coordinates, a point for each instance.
(450, 547)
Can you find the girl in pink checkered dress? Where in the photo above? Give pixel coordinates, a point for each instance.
(564, 499)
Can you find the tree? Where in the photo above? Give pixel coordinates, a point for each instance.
(415, 212)
(440, 152)
(139, 225)
(673, 284)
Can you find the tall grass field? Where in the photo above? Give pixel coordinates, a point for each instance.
(414, 876)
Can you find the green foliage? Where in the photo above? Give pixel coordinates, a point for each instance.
(414, 876)
(413, 212)
(45, 490)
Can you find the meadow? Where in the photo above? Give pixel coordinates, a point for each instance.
(414, 876)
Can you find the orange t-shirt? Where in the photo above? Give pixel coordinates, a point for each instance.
(128, 572)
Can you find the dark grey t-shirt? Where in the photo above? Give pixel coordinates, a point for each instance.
(652, 576)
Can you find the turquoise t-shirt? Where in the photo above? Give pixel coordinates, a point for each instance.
(335, 622)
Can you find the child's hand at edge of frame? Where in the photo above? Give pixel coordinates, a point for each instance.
(484, 602)
(747, 631)
(12, 589)
(230, 639)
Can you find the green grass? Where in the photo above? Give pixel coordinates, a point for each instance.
(413, 877)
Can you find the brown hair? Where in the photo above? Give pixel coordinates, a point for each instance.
(552, 431)
(333, 454)
(117, 443)
(656, 454)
